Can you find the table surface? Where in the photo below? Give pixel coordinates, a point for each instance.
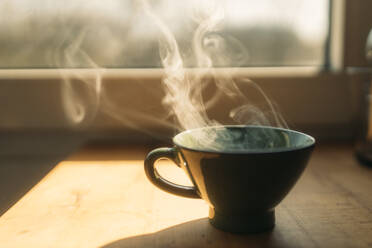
(100, 197)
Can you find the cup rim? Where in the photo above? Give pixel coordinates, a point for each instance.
(250, 151)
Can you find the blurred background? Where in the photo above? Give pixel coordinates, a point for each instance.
(298, 52)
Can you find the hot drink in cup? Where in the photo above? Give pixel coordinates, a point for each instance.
(242, 172)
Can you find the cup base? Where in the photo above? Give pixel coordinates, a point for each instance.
(243, 223)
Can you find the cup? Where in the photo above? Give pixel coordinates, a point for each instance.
(242, 172)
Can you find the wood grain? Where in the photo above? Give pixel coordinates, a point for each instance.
(101, 198)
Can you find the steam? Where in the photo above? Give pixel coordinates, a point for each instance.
(184, 92)
(83, 92)
(80, 93)
(83, 96)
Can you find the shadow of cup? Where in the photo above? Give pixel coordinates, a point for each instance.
(203, 235)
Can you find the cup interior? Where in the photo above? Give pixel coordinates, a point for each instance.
(242, 139)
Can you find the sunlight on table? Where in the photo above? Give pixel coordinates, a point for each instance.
(92, 203)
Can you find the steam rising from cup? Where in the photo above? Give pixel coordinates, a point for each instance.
(184, 88)
(184, 91)
(80, 93)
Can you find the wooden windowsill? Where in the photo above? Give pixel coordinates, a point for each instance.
(101, 198)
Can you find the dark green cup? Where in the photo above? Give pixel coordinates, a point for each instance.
(242, 172)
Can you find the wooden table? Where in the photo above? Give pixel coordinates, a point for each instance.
(101, 198)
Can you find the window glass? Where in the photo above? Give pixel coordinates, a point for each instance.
(117, 33)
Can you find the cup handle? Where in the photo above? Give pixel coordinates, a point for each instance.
(154, 176)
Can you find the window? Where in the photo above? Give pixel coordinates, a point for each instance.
(34, 35)
(118, 34)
